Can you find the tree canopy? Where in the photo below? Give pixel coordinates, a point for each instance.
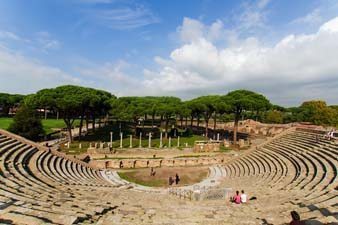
(87, 104)
(241, 100)
(8, 101)
(27, 123)
(73, 102)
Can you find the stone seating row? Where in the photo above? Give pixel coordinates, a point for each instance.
(38, 187)
(296, 164)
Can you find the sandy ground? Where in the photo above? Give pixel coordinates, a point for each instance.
(188, 175)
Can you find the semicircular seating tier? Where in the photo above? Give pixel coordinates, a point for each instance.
(41, 186)
(296, 171)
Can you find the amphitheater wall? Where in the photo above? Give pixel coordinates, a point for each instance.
(147, 163)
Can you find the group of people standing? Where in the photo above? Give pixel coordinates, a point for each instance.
(176, 180)
(239, 198)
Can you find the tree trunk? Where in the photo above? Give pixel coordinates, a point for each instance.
(181, 122)
(93, 123)
(191, 121)
(69, 123)
(198, 121)
(206, 127)
(236, 128)
(152, 119)
(166, 128)
(80, 128)
(45, 114)
(215, 123)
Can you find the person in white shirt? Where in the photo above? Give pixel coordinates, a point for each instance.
(243, 197)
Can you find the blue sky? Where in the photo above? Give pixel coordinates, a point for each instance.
(282, 48)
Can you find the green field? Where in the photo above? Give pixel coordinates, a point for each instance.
(48, 125)
(5, 122)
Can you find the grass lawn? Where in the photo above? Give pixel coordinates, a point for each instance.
(5, 122)
(188, 175)
(103, 135)
(48, 124)
(155, 143)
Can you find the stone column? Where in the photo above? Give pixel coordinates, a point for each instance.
(140, 144)
(121, 139)
(217, 136)
(169, 142)
(178, 141)
(111, 139)
(161, 144)
(68, 144)
(80, 146)
(131, 141)
(149, 143)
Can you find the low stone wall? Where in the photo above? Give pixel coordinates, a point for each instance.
(147, 163)
(206, 146)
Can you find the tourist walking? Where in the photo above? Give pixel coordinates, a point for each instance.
(171, 181)
(177, 179)
(243, 197)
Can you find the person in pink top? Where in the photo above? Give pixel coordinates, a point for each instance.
(237, 198)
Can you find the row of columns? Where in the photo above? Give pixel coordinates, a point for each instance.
(140, 140)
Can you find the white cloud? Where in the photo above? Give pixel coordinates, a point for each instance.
(294, 64)
(124, 18)
(251, 16)
(94, 1)
(262, 3)
(312, 18)
(46, 42)
(193, 30)
(111, 76)
(9, 35)
(19, 74)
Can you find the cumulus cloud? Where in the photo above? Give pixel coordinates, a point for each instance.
(295, 65)
(192, 30)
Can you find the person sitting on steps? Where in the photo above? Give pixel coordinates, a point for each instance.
(237, 198)
(243, 197)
